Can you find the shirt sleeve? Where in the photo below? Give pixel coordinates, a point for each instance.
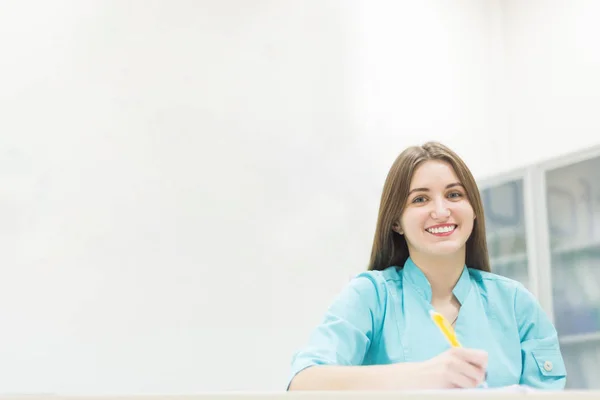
(348, 328)
(543, 364)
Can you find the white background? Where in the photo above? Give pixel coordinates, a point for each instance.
(185, 185)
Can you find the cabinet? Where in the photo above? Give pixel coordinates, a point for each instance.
(543, 229)
(505, 229)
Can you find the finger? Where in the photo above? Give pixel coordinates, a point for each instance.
(473, 356)
(474, 374)
(463, 381)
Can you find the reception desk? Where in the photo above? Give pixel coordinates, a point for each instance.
(450, 394)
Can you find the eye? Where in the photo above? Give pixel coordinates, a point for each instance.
(455, 195)
(419, 199)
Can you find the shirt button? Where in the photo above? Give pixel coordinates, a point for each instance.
(548, 366)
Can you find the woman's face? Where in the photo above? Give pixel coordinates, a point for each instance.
(437, 218)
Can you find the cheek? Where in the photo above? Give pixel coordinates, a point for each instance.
(414, 220)
(470, 223)
(466, 213)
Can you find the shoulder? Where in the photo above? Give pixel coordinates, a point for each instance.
(374, 284)
(512, 292)
(497, 282)
(376, 279)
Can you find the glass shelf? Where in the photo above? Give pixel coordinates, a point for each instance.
(573, 215)
(504, 216)
(573, 198)
(581, 361)
(578, 338)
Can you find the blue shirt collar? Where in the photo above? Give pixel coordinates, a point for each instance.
(414, 276)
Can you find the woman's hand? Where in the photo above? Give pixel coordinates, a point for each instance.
(454, 368)
(457, 367)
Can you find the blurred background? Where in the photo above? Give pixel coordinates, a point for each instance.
(186, 185)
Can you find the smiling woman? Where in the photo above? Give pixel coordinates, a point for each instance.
(440, 179)
(430, 254)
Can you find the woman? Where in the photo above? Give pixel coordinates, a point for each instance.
(430, 253)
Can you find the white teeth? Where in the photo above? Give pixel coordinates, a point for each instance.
(444, 229)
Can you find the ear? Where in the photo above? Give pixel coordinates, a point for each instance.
(396, 228)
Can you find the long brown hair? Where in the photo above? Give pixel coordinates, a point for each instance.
(389, 247)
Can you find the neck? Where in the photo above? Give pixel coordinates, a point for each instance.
(442, 273)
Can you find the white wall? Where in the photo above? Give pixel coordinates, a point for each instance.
(552, 59)
(185, 185)
(432, 70)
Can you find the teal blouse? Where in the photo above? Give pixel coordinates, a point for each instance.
(382, 317)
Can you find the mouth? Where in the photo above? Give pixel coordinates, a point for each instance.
(442, 230)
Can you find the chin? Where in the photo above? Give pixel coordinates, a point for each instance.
(446, 249)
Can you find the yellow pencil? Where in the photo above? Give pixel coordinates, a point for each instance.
(445, 328)
(448, 332)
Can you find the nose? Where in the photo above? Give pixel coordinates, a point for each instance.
(440, 210)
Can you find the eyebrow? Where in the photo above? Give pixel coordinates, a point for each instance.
(427, 189)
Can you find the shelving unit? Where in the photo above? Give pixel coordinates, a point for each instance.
(577, 247)
(543, 229)
(580, 338)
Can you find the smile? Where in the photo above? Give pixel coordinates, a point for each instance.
(441, 230)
